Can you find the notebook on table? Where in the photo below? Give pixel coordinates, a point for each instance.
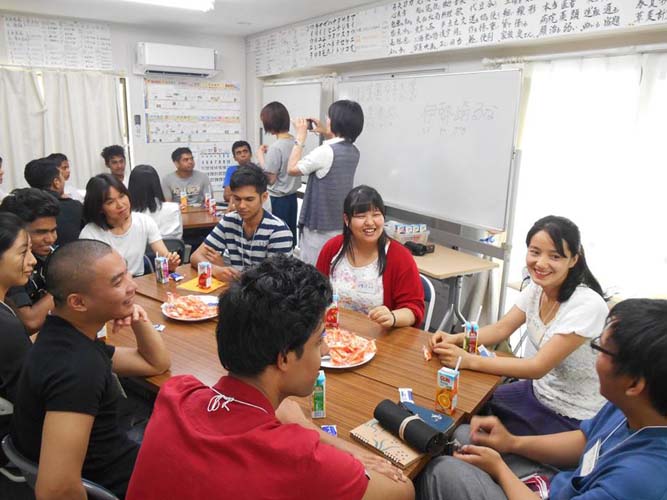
(372, 435)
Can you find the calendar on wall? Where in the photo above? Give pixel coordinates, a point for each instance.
(57, 43)
(204, 115)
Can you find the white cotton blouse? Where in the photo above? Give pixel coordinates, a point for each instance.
(572, 388)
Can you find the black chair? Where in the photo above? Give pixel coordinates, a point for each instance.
(173, 245)
(29, 470)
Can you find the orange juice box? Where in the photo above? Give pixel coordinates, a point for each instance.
(447, 393)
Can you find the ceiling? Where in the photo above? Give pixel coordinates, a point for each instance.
(230, 17)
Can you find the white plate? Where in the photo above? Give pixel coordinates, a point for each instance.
(209, 300)
(329, 364)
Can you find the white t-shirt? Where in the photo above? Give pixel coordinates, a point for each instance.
(168, 219)
(358, 288)
(572, 388)
(131, 245)
(320, 159)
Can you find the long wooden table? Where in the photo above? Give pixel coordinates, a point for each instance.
(198, 218)
(351, 394)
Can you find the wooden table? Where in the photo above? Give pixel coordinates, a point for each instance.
(198, 218)
(446, 263)
(352, 394)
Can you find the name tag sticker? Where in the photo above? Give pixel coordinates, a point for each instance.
(590, 459)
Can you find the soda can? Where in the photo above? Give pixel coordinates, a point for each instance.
(161, 269)
(205, 272)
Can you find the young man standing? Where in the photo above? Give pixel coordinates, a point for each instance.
(242, 154)
(44, 174)
(39, 210)
(186, 179)
(250, 234)
(621, 453)
(66, 412)
(242, 438)
(114, 159)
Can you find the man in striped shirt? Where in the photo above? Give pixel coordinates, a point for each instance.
(250, 235)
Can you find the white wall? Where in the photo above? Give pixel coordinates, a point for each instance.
(231, 59)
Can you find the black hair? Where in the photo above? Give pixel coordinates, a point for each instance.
(347, 119)
(562, 229)
(69, 267)
(145, 189)
(178, 152)
(638, 332)
(0, 159)
(10, 227)
(58, 157)
(359, 200)
(41, 173)
(275, 118)
(30, 204)
(111, 151)
(240, 144)
(249, 175)
(97, 192)
(273, 309)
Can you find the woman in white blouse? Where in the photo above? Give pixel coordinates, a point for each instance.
(563, 308)
(147, 197)
(108, 210)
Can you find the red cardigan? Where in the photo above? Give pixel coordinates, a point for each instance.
(401, 282)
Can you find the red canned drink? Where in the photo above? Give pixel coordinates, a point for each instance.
(205, 271)
(161, 269)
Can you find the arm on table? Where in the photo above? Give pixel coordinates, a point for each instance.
(206, 253)
(383, 316)
(488, 335)
(65, 438)
(150, 357)
(386, 481)
(549, 356)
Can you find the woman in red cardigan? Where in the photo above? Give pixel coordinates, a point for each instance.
(370, 272)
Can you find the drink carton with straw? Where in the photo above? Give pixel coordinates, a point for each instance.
(447, 392)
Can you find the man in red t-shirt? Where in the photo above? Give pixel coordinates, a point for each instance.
(242, 438)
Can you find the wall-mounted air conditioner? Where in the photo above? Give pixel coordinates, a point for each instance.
(179, 60)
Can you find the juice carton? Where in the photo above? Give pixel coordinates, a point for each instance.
(447, 393)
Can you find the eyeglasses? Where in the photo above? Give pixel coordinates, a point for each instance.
(596, 347)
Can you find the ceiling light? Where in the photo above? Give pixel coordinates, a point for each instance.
(201, 5)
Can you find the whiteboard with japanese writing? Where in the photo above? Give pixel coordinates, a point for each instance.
(302, 100)
(440, 145)
(404, 27)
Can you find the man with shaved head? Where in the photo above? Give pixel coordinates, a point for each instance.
(66, 413)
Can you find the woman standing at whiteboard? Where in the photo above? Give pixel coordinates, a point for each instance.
(330, 169)
(563, 308)
(273, 160)
(370, 272)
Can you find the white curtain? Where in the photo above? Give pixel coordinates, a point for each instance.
(593, 142)
(21, 124)
(83, 116)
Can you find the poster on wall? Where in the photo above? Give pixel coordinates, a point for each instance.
(57, 43)
(204, 115)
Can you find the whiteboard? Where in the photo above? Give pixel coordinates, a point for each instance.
(302, 100)
(440, 145)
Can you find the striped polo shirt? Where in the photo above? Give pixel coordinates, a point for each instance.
(271, 237)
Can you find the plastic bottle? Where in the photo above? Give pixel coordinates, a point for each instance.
(331, 318)
(184, 200)
(319, 396)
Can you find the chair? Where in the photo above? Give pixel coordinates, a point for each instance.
(7, 408)
(148, 265)
(29, 470)
(173, 245)
(429, 299)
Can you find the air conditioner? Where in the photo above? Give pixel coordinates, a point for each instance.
(179, 60)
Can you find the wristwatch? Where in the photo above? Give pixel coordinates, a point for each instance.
(300, 144)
